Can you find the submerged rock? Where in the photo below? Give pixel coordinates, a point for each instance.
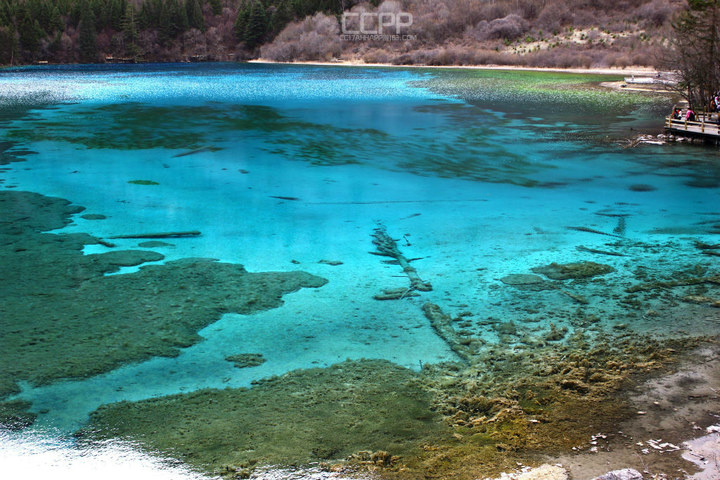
(246, 360)
(154, 244)
(522, 279)
(579, 270)
(543, 472)
(332, 263)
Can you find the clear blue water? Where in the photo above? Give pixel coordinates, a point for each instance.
(478, 173)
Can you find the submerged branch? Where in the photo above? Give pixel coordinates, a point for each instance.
(442, 324)
(192, 233)
(387, 247)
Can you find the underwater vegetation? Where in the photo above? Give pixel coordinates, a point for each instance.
(466, 151)
(109, 320)
(534, 393)
(546, 350)
(297, 418)
(577, 99)
(447, 421)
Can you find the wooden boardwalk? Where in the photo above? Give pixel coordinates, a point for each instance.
(705, 126)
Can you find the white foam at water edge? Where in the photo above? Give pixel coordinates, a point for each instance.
(703, 452)
(33, 455)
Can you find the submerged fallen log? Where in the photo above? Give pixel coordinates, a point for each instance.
(577, 298)
(198, 150)
(396, 294)
(599, 252)
(387, 247)
(442, 324)
(592, 230)
(191, 233)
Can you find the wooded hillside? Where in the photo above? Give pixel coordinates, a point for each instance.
(528, 32)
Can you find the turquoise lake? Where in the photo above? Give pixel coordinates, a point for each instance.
(477, 176)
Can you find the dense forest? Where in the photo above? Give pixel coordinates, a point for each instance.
(89, 31)
(528, 32)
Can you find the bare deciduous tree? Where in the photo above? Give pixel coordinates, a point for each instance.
(695, 51)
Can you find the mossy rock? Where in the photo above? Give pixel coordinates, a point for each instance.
(522, 279)
(246, 360)
(576, 271)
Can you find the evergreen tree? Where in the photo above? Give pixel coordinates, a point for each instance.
(100, 17)
(56, 21)
(87, 39)
(75, 13)
(117, 9)
(56, 43)
(696, 51)
(4, 14)
(173, 20)
(194, 14)
(282, 15)
(130, 31)
(216, 7)
(8, 44)
(256, 27)
(241, 21)
(30, 33)
(40, 11)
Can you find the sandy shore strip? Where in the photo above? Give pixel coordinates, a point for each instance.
(629, 71)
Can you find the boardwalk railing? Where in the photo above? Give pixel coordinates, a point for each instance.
(705, 124)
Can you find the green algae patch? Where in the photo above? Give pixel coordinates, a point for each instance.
(510, 406)
(14, 415)
(320, 414)
(62, 317)
(246, 360)
(447, 421)
(143, 182)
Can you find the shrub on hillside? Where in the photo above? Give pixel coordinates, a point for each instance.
(511, 27)
(553, 17)
(314, 38)
(655, 13)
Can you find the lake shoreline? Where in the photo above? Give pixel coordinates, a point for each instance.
(629, 71)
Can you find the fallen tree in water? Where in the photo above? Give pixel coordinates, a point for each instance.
(387, 247)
